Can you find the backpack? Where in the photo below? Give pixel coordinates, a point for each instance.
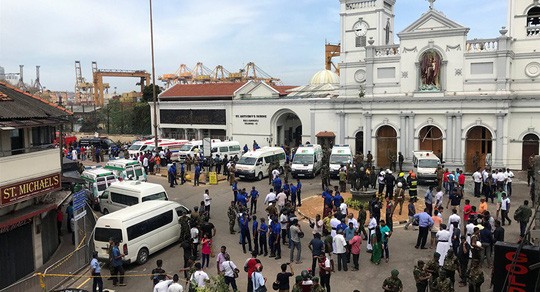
(518, 215)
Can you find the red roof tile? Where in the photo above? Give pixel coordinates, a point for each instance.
(283, 88)
(202, 90)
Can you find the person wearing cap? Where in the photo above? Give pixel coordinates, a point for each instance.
(421, 277)
(413, 186)
(380, 180)
(389, 181)
(393, 283)
(96, 273)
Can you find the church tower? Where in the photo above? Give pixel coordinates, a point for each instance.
(363, 22)
(524, 23)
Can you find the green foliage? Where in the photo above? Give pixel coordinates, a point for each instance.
(217, 284)
(355, 204)
(148, 94)
(126, 118)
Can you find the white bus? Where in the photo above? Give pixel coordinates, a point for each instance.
(254, 164)
(142, 229)
(149, 145)
(229, 148)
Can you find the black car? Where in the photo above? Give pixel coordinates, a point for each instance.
(103, 143)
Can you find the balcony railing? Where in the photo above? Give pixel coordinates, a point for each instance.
(482, 45)
(360, 4)
(386, 51)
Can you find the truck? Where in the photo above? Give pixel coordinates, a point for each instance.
(425, 165)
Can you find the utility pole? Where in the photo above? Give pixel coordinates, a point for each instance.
(153, 80)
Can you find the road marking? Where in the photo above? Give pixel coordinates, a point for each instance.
(83, 283)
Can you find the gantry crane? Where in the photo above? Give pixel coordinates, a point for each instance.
(99, 86)
(83, 89)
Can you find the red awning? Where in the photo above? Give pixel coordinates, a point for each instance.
(325, 134)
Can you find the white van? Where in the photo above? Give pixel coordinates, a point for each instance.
(307, 161)
(425, 166)
(254, 164)
(229, 148)
(128, 193)
(97, 181)
(127, 169)
(142, 229)
(191, 148)
(341, 155)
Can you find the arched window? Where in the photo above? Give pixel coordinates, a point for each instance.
(533, 21)
(387, 32)
(430, 71)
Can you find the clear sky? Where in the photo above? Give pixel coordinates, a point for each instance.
(283, 37)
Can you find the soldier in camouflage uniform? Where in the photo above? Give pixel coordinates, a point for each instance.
(316, 286)
(393, 283)
(442, 284)
(325, 177)
(421, 277)
(475, 277)
(450, 266)
(231, 213)
(432, 267)
(184, 228)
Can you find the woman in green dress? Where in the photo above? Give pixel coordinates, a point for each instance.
(376, 243)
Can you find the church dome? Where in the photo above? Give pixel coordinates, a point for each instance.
(324, 77)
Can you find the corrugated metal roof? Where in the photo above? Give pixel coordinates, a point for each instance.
(22, 105)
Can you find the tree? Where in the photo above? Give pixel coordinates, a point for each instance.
(148, 94)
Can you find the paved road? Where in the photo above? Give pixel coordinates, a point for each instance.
(370, 277)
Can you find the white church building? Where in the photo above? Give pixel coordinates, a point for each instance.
(435, 90)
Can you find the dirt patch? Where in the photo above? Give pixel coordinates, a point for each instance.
(314, 205)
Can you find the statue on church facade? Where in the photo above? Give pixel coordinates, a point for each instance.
(430, 66)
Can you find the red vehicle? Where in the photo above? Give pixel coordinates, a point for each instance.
(66, 141)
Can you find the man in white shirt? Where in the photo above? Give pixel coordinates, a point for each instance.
(200, 277)
(500, 178)
(343, 209)
(227, 269)
(318, 225)
(340, 249)
(453, 219)
(270, 198)
(469, 230)
(371, 225)
(175, 286)
(352, 220)
(509, 175)
(443, 243)
(505, 209)
(275, 173)
(162, 286)
(207, 200)
(477, 178)
(194, 239)
(74, 154)
(257, 277)
(438, 198)
(281, 197)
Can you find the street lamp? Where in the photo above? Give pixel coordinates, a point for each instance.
(153, 79)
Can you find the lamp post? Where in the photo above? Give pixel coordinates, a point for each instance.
(153, 80)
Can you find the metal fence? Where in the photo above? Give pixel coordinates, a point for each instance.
(61, 273)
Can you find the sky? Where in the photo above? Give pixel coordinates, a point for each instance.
(285, 38)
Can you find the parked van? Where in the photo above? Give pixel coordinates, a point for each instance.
(98, 180)
(229, 148)
(425, 166)
(128, 193)
(142, 229)
(307, 161)
(127, 169)
(191, 148)
(341, 155)
(100, 142)
(254, 164)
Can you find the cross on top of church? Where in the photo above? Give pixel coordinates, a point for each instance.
(431, 3)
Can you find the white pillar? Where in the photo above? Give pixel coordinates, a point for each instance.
(368, 137)
(410, 137)
(499, 144)
(341, 127)
(449, 149)
(402, 133)
(312, 130)
(458, 154)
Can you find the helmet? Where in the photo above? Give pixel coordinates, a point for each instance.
(389, 172)
(382, 173)
(413, 175)
(401, 174)
(305, 274)
(399, 185)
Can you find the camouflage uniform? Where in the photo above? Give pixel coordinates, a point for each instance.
(393, 283)
(399, 199)
(475, 277)
(231, 213)
(419, 273)
(443, 285)
(184, 228)
(451, 264)
(433, 267)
